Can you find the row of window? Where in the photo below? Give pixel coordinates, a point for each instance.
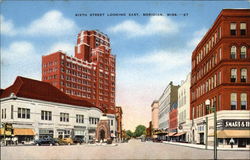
(213, 61)
(24, 113)
(208, 46)
(206, 67)
(233, 28)
(243, 75)
(51, 63)
(211, 83)
(243, 52)
(201, 109)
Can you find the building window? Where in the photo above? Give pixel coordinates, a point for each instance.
(243, 52)
(243, 27)
(4, 113)
(93, 120)
(111, 122)
(46, 115)
(233, 75)
(12, 112)
(233, 29)
(233, 101)
(243, 76)
(64, 117)
(23, 113)
(79, 118)
(233, 52)
(243, 101)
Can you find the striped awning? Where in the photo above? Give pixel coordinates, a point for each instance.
(179, 134)
(171, 134)
(23, 132)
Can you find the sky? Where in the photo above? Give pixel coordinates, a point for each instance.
(151, 51)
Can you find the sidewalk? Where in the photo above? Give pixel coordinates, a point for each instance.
(199, 146)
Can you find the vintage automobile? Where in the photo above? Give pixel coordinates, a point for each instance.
(46, 141)
(78, 140)
(68, 141)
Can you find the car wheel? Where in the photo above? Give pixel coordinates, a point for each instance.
(50, 144)
(37, 144)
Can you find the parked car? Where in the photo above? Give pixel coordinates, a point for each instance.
(78, 140)
(46, 140)
(68, 141)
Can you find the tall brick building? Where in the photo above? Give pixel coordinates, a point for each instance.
(89, 75)
(221, 74)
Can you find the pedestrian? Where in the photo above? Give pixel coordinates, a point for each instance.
(231, 142)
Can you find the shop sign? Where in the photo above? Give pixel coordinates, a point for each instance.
(236, 124)
(80, 127)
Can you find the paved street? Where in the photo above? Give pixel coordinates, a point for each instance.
(132, 150)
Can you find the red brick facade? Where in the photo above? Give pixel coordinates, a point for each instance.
(218, 72)
(89, 75)
(173, 116)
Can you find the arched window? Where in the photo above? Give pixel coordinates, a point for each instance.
(243, 52)
(233, 52)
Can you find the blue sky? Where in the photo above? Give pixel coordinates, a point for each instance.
(151, 50)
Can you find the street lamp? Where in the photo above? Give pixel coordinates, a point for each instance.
(213, 109)
(207, 103)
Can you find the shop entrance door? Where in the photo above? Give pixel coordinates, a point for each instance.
(201, 138)
(242, 142)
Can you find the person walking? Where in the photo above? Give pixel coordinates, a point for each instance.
(231, 142)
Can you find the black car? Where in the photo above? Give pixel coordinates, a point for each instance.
(46, 140)
(78, 140)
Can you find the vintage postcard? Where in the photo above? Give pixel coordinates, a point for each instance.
(111, 79)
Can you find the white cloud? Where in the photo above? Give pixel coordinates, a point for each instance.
(155, 25)
(52, 23)
(197, 36)
(164, 60)
(7, 27)
(19, 59)
(64, 46)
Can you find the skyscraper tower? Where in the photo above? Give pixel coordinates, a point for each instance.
(89, 75)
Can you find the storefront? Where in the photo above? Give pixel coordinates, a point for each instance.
(181, 136)
(79, 131)
(24, 135)
(171, 136)
(46, 132)
(64, 133)
(238, 130)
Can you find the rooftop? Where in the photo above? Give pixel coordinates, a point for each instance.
(34, 89)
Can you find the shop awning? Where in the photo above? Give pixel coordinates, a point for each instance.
(171, 134)
(7, 133)
(23, 132)
(160, 133)
(232, 134)
(179, 134)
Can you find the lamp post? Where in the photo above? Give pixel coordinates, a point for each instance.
(213, 109)
(207, 103)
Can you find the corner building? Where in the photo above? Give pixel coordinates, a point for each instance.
(89, 75)
(221, 74)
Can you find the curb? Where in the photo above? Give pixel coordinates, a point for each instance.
(219, 149)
